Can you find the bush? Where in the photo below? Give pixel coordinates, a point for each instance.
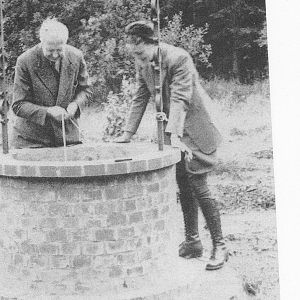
(102, 39)
(189, 38)
(116, 110)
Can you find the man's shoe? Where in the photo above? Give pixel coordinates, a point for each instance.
(191, 249)
(218, 258)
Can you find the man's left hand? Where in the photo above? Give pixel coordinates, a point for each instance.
(72, 109)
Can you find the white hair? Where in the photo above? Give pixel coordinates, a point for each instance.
(52, 29)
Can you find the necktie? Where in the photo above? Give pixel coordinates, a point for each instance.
(55, 65)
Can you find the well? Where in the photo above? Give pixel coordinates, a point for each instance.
(99, 223)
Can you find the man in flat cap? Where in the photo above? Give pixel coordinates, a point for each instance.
(189, 127)
(51, 84)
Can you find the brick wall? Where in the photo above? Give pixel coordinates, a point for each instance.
(73, 235)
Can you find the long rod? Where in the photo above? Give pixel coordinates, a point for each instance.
(155, 16)
(4, 86)
(161, 122)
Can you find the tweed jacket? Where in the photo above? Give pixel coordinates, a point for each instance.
(36, 87)
(183, 101)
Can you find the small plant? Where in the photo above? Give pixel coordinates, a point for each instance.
(116, 110)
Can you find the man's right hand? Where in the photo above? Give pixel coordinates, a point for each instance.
(124, 138)
(56, 112)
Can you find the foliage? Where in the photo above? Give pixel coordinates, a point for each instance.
(102, 40)
(235, 28)
(234, 31)
(262, 40)
(116, 110)
(236, 34)
(189, 38)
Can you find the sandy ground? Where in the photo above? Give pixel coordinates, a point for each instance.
(251, 239)
(244, 186)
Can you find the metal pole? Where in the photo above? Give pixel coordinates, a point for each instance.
(4, 109)
(160, 116)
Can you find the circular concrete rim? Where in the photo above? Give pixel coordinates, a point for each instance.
(148, 160)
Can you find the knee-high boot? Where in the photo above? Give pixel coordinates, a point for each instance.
(211, 214)
(192, 246)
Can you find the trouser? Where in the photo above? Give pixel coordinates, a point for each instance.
(194, 192)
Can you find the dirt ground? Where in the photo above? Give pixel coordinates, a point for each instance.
(244, 186)
(251, 239)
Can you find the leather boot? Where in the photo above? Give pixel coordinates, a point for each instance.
(219, 255)
(211, 214)
(191, 248)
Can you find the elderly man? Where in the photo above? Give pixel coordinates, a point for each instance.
(50, 86)
(189, 127)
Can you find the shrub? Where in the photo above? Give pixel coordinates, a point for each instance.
(189, 38)
(102, 39)
(116, 110)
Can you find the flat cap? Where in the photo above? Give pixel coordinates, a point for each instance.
(143, 29)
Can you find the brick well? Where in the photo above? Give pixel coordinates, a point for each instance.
(86, 226)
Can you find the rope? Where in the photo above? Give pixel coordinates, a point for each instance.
(74, 123)
(64, 136)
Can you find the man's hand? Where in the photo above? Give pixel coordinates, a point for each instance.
(124, 138)
(177, 143)
(56, 112)
(72, 110)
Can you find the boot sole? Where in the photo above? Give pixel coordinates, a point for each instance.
(192, 255)
(212, 268)
(217, 267)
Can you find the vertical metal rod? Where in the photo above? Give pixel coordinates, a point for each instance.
(161, 123)
(160, 117)
(4, 119)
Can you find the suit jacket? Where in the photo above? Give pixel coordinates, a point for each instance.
(183, 101)
(36, 87)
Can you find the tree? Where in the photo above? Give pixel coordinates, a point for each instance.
(235, 28)
(231, 45)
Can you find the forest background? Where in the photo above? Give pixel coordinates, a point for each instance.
(227, 39)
